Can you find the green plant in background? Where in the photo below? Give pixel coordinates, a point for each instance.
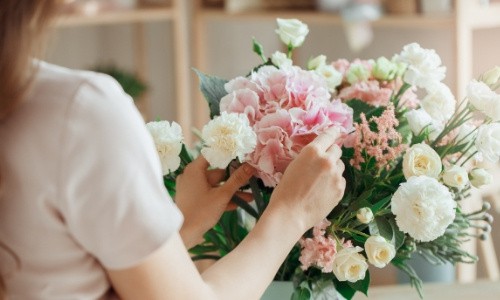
(131, 83)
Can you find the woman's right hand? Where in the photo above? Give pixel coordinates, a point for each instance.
(312, 185)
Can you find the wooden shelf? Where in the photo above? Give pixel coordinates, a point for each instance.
(316, 17)
(147, 14)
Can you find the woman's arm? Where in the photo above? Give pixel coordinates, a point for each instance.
(310, 188)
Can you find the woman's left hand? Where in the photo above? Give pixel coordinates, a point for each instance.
(202, 198)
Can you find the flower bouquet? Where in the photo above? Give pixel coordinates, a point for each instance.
(412, 155)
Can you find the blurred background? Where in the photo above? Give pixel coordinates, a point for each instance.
(151, 46)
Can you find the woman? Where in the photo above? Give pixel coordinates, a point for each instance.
(83, 210)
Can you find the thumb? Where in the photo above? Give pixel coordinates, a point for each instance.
(237, 179)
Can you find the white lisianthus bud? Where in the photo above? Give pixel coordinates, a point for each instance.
(168, 140)
(488, 141)
(316, 62)
(484, 99)
(357, 72)
(479, 177)
(365, 215)
(349, 265)
(455, 176)
(292, 32)
(384, 69)
(423, 207)
(331, 75)
(439, 102)
(491, 76)
(227, 137)
(421, 159)
(419, 119)
(280, 59)
(379, 251)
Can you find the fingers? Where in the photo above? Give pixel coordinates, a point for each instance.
(247, 197)
(238, 178)
(326, 139)
(200, 163)
(334, 152)
(214, 177)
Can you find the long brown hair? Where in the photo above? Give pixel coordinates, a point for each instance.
(22, 27)
(23, 24)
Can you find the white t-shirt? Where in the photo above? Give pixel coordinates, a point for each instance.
(81, 188)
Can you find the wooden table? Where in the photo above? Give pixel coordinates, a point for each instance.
(480, 290)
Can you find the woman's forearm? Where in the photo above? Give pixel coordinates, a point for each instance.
(247, 270)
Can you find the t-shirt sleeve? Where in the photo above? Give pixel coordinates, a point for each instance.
(112, 195)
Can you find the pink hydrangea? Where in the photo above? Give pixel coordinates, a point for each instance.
(287, 108)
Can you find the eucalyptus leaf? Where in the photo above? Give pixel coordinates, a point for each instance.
(212, 88)
(384, 228)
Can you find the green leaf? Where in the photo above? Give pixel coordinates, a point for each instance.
(212, 88)
(359, 107)
(384, 228)
(361, 285)
(301, 293)
(344, 289)
(380, 204)
(245, 206)
(399, 236)
(362, 200)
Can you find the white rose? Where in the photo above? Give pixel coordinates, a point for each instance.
(349, 265)
(491, 76)
(421, 159)
(484, 99)
(423, 207)
(365, 215)
(439, 102)
(455, 176)
(332, 77)
(168, 141)
(424, 66)
(316, 62)
(488, 142)
(419, 119)
(280, 59)
(292, 32)
(479, 177)
(379, 251)
(227, 137)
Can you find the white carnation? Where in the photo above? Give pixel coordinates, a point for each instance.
(484, 99)
(421, 159)
(424, 66)
(456, 176)
(227, 137)
(292, 32)
(423, 207)
(488, 142)
(379, 251)
(419, 119)
(349, 265)
(168, 140)
(439, 102)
